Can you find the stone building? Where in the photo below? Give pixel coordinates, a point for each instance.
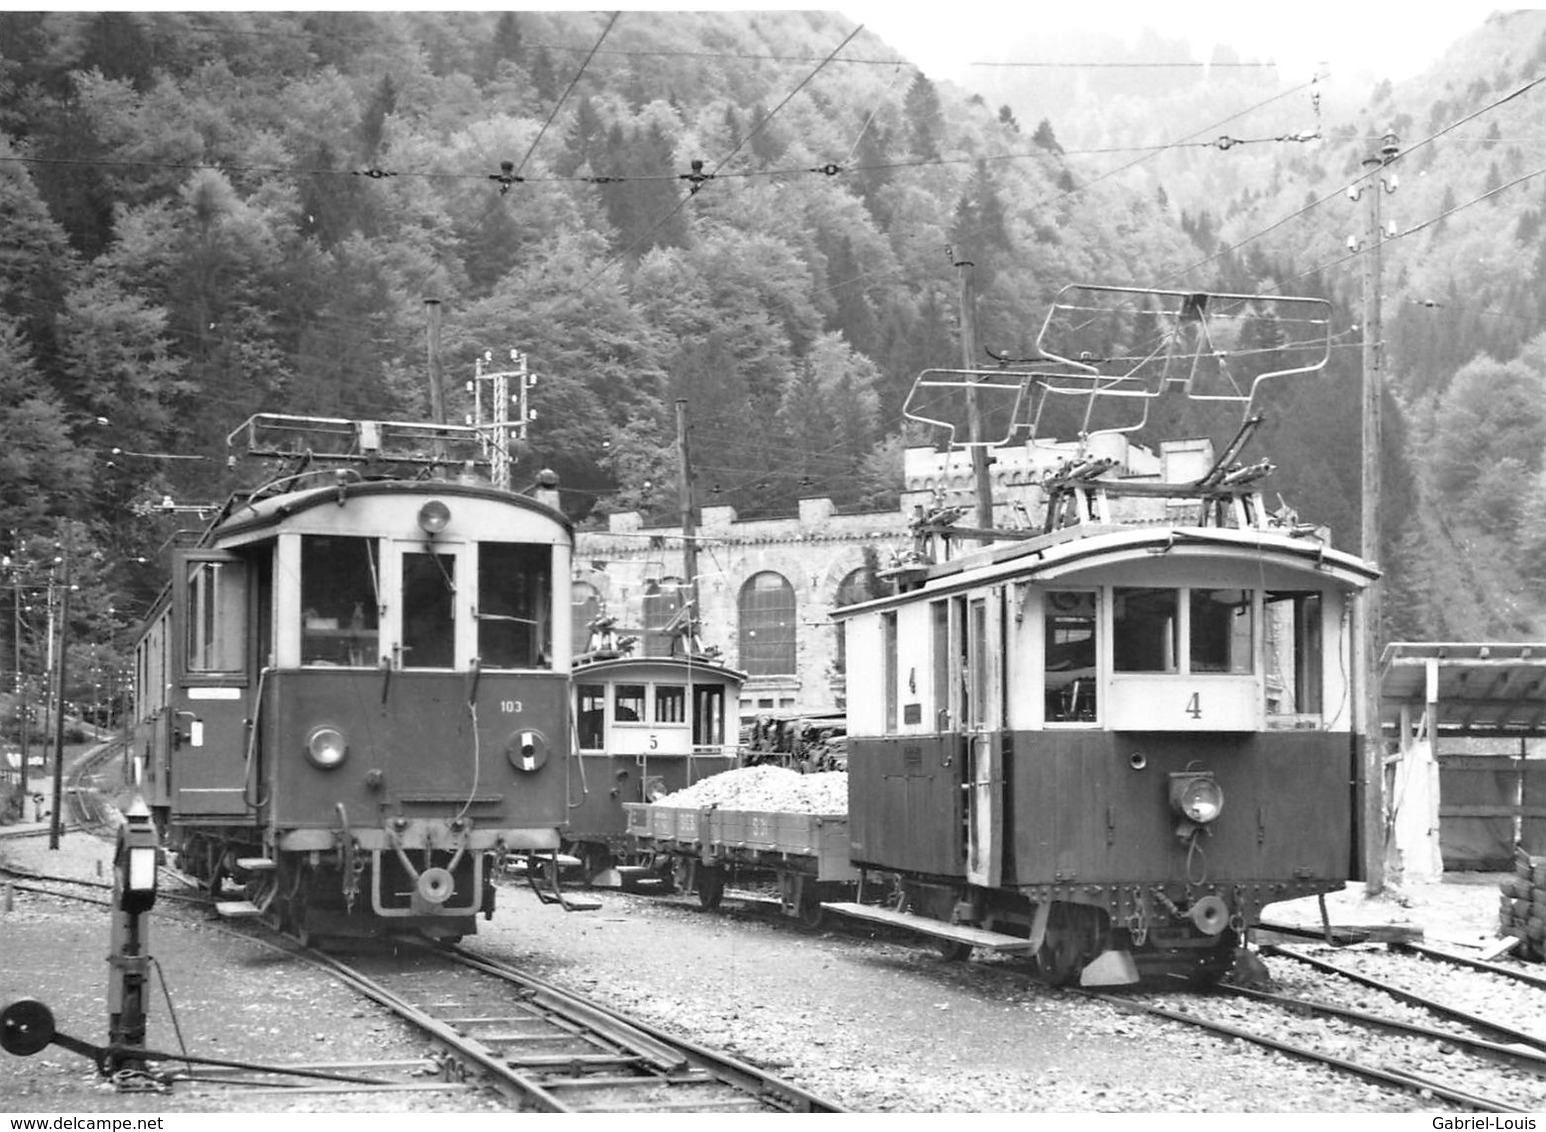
(767, 587)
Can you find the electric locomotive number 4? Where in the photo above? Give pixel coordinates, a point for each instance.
(1110, 742)
(353, 694)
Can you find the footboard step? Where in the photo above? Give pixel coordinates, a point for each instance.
(237, 909)
(960, 933)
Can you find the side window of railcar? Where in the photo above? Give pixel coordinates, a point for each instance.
(1293, 637)
(216, 617)
(670, 703)
(1219, 635)
(590, 715)
(514, 622)
(1070, 678)
(339, 601)
(1144, 630)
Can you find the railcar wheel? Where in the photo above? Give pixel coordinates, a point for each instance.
(711, 887)
(595, 859)
(683, 874)
(812, 915)
(1215, 963)
(1073, 939)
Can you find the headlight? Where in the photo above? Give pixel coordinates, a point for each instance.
(654, 789)
(433, 517)
(1196, 797)
(325, 747)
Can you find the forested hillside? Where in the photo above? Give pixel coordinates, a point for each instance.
(212, 214)
(1465, 275)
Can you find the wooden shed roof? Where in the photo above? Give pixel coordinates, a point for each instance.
(1482, 690)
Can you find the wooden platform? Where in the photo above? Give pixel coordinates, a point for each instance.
(959, 933)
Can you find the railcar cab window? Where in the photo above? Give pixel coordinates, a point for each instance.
(590, 712)
(514, 622)
(670, 703)
(1220, 635)
(1069, 655)
(1144, 630)
(628, 704)
(1199, 631)
(216, 615)
(339, 601)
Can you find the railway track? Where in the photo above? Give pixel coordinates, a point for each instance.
(536, 1045)
(1472, 1062)
(549, 1049)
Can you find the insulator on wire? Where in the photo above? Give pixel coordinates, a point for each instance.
(506, 177)
(696, 178)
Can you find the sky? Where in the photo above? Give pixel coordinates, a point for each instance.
(1394, 41)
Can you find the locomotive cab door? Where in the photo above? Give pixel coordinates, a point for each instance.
(981, 658)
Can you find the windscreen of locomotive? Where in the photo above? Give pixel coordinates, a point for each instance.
(515, 623)
(339, 603)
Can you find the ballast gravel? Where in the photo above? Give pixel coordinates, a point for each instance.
(874, 1023)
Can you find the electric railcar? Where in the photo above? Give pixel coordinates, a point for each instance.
(353, 698)
(1109, 745)
(645, 727)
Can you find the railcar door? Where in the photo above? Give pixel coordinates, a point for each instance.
(981, 675)
(210, 701)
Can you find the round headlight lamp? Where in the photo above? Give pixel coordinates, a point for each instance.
(433, 517)
(326, 747)
(1196, 797)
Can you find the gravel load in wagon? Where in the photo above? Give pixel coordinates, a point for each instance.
(766, 788)
(765, 815)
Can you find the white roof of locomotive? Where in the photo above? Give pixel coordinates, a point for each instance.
(1067, 554)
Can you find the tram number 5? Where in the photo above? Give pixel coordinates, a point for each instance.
(1194, 706)
(510, 707)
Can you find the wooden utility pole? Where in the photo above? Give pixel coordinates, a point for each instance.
(56, 823)
(980, 481)
(437, 384)
(689, 532)
(437, 377)
(1373, 810)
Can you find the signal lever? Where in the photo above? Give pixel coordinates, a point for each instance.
(27, 1027)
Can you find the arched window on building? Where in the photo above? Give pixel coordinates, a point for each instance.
(662, 602)
(856, 586)
(585, 604)
(767, 625)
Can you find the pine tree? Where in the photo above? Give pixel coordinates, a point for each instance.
(925, 120)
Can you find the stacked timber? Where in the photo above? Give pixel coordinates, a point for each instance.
(1522, 907)
(765, 788)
